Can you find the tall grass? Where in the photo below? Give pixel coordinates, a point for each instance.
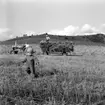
(52, 87)
(5, 49)
(62, 80)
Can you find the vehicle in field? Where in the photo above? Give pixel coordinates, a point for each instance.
(57, 47)
(17, 48)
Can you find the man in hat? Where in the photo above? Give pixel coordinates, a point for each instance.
(30, 61)
(47, 38)
(47, 43)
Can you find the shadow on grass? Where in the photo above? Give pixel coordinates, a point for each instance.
(75, 55)
(65, 55)
(45, 73)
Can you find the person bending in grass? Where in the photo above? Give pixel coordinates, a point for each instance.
(30, 60)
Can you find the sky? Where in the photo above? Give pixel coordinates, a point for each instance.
(60, 17)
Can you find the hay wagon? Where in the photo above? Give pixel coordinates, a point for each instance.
(56, 47)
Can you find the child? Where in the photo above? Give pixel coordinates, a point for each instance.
(30, 62)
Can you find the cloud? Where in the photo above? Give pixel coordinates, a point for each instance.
(87, 29)
(3, 30)
(69, 30)
(75, 30)
(102, 28)
(75, 1)
(29, 33)
(5, 34)
(3, 1)
(22, 0)
(57, 32)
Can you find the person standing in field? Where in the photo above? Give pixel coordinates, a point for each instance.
(47, 43)
(30, 60)
(72, 46)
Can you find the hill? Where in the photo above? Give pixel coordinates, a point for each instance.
(80, 39)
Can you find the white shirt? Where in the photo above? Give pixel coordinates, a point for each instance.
(27, 45)
(47, 38)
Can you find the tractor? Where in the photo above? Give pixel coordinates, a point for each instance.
(16, 48)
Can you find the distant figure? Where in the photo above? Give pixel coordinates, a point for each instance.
(72, 46)
(27, 45)
(30, 60)
(47, 38)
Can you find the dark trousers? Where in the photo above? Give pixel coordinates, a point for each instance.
(31, 68)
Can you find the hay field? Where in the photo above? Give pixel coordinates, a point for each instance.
(63, 80)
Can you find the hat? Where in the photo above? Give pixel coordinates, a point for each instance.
(29, 51)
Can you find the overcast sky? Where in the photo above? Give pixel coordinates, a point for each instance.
(70, 17)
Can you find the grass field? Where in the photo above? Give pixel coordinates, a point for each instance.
(78, 79)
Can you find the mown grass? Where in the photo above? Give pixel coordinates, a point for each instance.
(63, 80)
